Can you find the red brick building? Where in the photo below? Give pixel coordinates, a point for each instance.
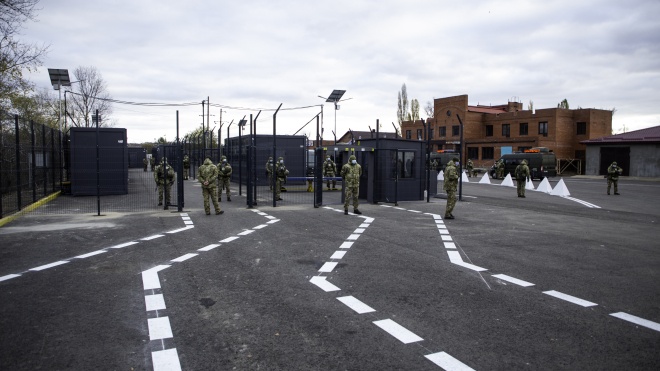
(490, 131)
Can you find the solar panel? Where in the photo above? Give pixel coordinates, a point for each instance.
(59, 77)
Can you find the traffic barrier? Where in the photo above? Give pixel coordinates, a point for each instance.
(508, 182)
(544, 186)
(485, 179)
(560, 189)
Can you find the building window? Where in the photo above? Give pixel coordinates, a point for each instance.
(408, 134)
(489, 130)
(487, 153)
(405, 164)
(524, 130)
(443, 131)
(473, 152)
(543, 128)
(455, 131)
(581, 128)
(506, 130)
(419, 134)
(431, 133)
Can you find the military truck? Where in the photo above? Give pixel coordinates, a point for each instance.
(541, 161)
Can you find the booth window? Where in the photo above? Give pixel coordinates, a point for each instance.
(506, 130)
(543, 128)
(524, 130)
(405, 164)
(489, 130)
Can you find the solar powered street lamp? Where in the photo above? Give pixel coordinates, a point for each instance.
(335, 97)
(58, 78)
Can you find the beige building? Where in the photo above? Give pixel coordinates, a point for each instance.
(490, 131)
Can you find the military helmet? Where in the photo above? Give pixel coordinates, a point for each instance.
(270, 158)
(351, 158)
(455, 159)
(523, 162)
(280, 158)
(614, 163)
(223, 158)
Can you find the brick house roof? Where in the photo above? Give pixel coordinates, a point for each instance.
(648, 135)
(484, 109)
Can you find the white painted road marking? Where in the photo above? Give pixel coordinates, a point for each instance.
(260, 226)
(470, 266)
(324, 284)
(209, 247)
(346, 245)
(159, 328)
(40, 268)
(184, 258)
(356, 305)
(8, 277)
(154, 302)
(359, 230)
(83, 256)
(245, 233)
(328, 267)
(401, 333)
(455, 257)
(516, 281)
(181, 229)
(637, 320)
(229, 239)
(570, 298)
(123, 245)
(150, 277)
(447, 362)
(166, 360)
(353, 237)
(338, 255)
(152, 237)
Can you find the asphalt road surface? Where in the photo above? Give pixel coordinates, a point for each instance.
(544, 282)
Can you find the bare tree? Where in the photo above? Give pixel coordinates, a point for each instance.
(90, 95)
(16, 56)
(402, 112)
(429, 109)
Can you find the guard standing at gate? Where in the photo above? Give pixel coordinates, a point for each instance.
(351, 173)
(330, 170)
(224, 174)
(281, 174)
(164, 177)
(208, 176)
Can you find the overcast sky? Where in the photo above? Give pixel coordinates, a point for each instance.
(258, 54)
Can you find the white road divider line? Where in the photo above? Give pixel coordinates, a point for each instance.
(446, 237)
(353, 237)
(346, 245)
(184, 258)
(450, 245)
(8, 277)
(447, 362)
(154, 302)
(51, 265)
(471, 266)
(150, 279)
(338, 255)
(159, 328)
(229, 239)
(83, 256)
(355, 304)
(454, 257)
(152, 237)
(260, 226)
(245, 233)
(328, 267)
(324, 284)
(359, 230)
(569, 298)
(121, 245)
(515, 281)
(637, 320)
(209, 247)
(166, 360)
(399, 332)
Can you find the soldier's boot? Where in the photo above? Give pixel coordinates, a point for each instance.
(449, 217)
(208, 211)
(218, 212)
(356, 211)
(345, 211)
(228, 198)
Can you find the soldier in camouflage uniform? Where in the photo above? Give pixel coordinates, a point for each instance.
(330, 170)
(613, 172)
(350, 174)
(500, 169)
(208, 176)
(450, 186)
(224, 174)
(152, 162)
(470, 167)
(269, 172)
(186, 167)
(164, 177)
(146, 163)
(522, 176)
(281, 173)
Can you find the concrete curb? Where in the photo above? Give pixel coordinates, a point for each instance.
(43, 201)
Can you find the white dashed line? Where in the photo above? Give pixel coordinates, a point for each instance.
(184, 258)
(8, 277)
(328, 267)
(359, 230)
(229, 239)
(181, 229)
(516, 281)
(152, 237)
(166, 360)
(209, 247)
(569, 298)
(154, 302)
(245, 233)
(346, 245)
(355, 304)
(123, 245)
(447, 362)
(637, 320)
(324, 284)
(338, 255)
(83, 256)
(46, 266)
(399, 332)
(159, 328)
(353, 237)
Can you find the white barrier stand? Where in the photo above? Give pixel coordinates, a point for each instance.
(464, 177)
(560, 189)
(441, 175)
(529, 185)
(544, 186)
(508, 182)
(485, 179)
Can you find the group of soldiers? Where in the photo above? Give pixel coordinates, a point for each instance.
(280, 172)
(151, 161)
